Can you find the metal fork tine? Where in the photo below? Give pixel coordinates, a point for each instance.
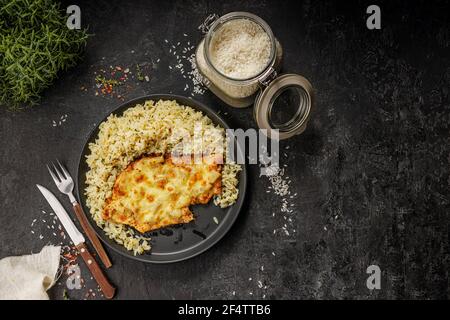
(53, 175)
(60, 175)
(66, 173)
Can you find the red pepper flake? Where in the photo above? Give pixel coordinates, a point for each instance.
(113, 83)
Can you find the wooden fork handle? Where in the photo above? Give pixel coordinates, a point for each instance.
(106, 287)
(91, 235)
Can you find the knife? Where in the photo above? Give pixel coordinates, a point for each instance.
(78, 240)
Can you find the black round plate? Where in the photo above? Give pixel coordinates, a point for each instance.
(180, 242)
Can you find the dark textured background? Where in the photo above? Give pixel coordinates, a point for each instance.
(371, 171)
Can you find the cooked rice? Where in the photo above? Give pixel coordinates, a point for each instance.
(145, 129)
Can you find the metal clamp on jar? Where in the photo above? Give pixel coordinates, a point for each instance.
(282, 102)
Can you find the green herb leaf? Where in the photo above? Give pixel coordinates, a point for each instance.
(65, 295)
(140, 76)
(35, 44)
(103, 80)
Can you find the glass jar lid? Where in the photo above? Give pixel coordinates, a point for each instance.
(284, 104)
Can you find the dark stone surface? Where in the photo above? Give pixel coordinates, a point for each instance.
(371, 172)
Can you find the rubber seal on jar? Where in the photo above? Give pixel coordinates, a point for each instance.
(302, 103)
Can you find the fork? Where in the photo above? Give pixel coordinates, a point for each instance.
(65, 184)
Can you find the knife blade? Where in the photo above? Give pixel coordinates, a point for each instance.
(74, 234)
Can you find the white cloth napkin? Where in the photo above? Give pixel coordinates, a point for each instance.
(28, 277)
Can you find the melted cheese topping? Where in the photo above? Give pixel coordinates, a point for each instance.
(154, 192)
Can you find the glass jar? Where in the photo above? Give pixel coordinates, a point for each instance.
(280, 102)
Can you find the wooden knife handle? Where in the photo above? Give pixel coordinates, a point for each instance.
(91, 235)
(107, 289)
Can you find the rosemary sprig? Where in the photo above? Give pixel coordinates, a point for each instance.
(35, 44)
(104, 81)
(140, 76)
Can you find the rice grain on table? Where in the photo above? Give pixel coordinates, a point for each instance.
(144, 129)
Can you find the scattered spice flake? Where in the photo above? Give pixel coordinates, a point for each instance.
(112, 82)
(140, 76)
(90, 294)
(106, 82)
(65, 295)
(69, 256)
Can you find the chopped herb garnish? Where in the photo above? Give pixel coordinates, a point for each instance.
(140, 76)
(65, 295)
(105, 81)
